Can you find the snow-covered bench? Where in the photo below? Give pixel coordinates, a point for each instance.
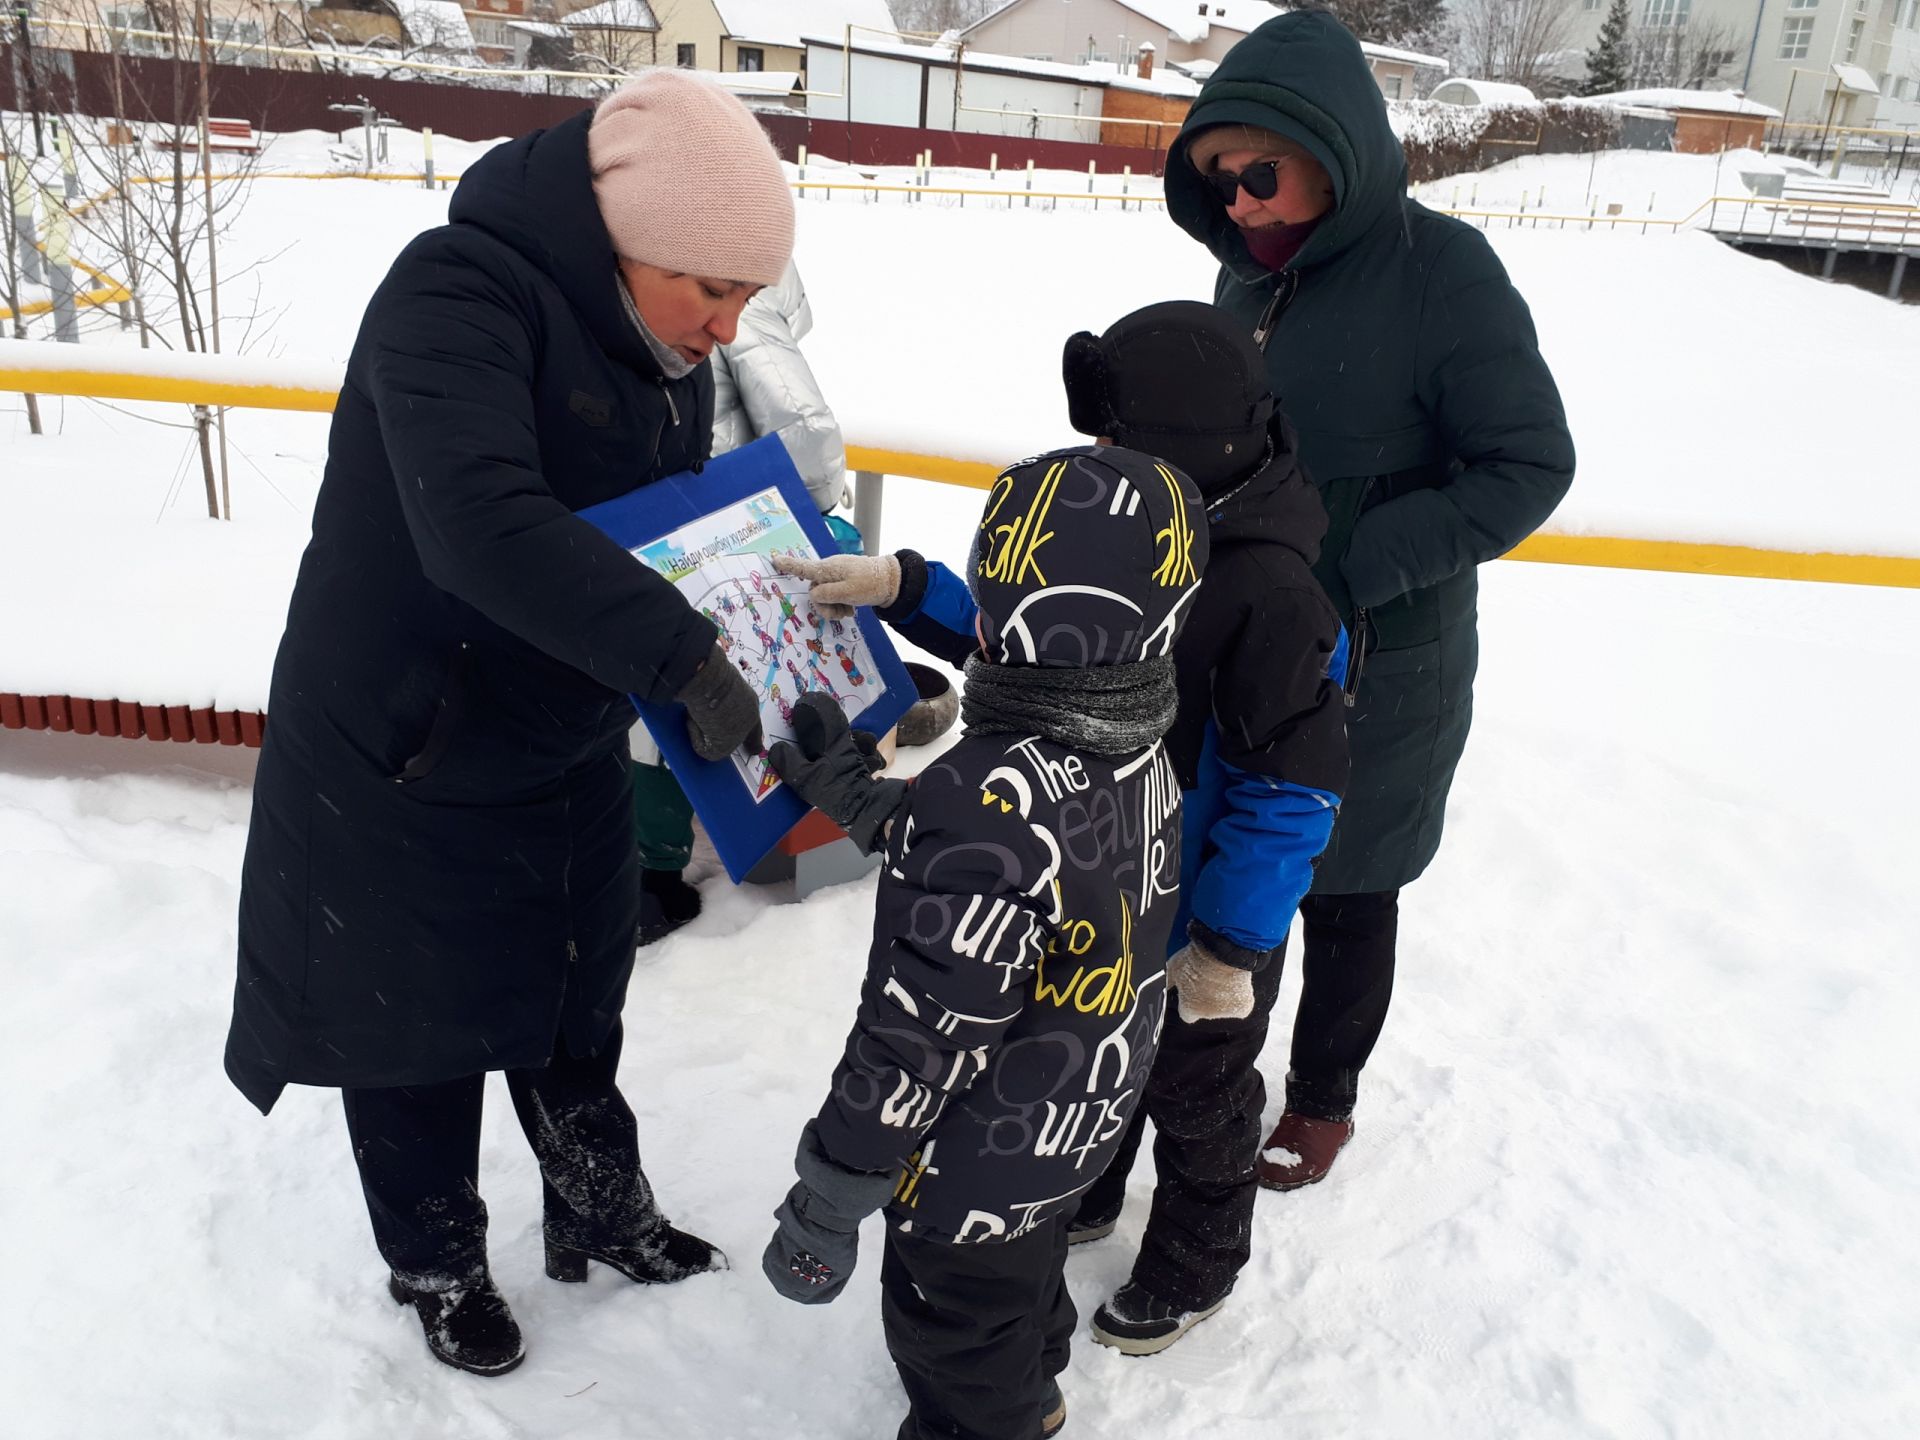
(225, 134)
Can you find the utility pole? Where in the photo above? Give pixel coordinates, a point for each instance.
(29, 93)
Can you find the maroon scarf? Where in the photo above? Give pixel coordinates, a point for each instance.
(1274, 246)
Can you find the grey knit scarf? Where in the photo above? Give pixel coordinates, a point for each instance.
(1108, 709)
(671, 360)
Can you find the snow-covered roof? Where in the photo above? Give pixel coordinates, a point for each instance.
(539, 27)
(756, 82)
(1182, 19)
(1718, 102)
(1103, 74)
(1161, 82)
(783, 22)
(1853, 78)
(1404, 57)
(1458, 91)
(614, 15)
(440, 23)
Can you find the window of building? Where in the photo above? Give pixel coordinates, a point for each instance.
(1854, 33)
(1796, 31)
(1589, 4)
(750, 57)
(1662, 13)
(1393, 86)
(1803, 4)
(124, 18)
(683, 56)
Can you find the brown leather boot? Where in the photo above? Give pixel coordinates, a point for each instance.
(1301, 1150)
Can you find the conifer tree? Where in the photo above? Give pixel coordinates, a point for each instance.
(1607, 61)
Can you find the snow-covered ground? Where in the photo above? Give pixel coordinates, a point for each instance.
(1637, 1155)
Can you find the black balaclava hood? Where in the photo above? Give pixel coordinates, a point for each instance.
(1180, 380)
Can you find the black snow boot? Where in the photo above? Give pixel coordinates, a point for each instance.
(1138, 1322)
(468, 1325)
(667, 902)
(1053, 1412)
(663, 1257)
(1087, 1225)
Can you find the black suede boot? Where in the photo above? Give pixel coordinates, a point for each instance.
(468, 1325)
(667, 902)
(665, 1256)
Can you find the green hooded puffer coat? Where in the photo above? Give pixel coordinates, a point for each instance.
(1427, 419)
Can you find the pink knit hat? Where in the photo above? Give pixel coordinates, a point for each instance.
(687, 180)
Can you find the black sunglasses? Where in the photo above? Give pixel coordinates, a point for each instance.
(1261, 179)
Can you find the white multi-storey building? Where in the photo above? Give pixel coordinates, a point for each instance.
(1854, 62)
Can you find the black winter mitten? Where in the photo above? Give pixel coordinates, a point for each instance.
(814, 1249)
(831, 768)
(723, 714)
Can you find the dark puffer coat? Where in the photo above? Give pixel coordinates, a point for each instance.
(1016, 984)
(1258, 745)
(440, 875)
(1426, 417)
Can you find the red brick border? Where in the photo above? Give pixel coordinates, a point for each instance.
(130, 720)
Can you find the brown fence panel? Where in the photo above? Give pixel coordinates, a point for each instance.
(859, 144)
(80, 82)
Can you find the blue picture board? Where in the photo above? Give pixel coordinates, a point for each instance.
(729, 498)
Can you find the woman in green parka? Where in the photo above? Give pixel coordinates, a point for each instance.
(1432, 428)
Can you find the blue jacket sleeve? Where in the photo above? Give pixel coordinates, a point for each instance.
(1275, 760)
(1263, 847)
(935, 609)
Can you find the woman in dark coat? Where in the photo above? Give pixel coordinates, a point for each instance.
(440, 879)
(1436, 436)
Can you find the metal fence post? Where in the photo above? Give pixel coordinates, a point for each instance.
(26, 237)
(868, 492)
(66, 321)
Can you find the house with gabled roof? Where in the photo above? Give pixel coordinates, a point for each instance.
(1092, 31)
(759, 34)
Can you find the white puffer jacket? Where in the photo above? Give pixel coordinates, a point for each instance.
(762, 385)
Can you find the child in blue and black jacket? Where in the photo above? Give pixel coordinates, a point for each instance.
(1259, 747)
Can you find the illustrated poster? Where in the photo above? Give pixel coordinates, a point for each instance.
(768, 626)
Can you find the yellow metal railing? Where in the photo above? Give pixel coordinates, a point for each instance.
(37, 367)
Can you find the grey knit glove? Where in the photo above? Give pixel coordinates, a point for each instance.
(1208, 989)
(841, 582)
(830, 766)
(723, 713)
(814, 1249)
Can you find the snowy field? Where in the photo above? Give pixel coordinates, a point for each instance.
(1637, 1155)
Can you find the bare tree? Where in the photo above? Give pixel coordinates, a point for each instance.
(613, 37)
(1686, 56)
(1519, 41)
(1414, 24)
(936, 17)
(159, 209)
(12, 165)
